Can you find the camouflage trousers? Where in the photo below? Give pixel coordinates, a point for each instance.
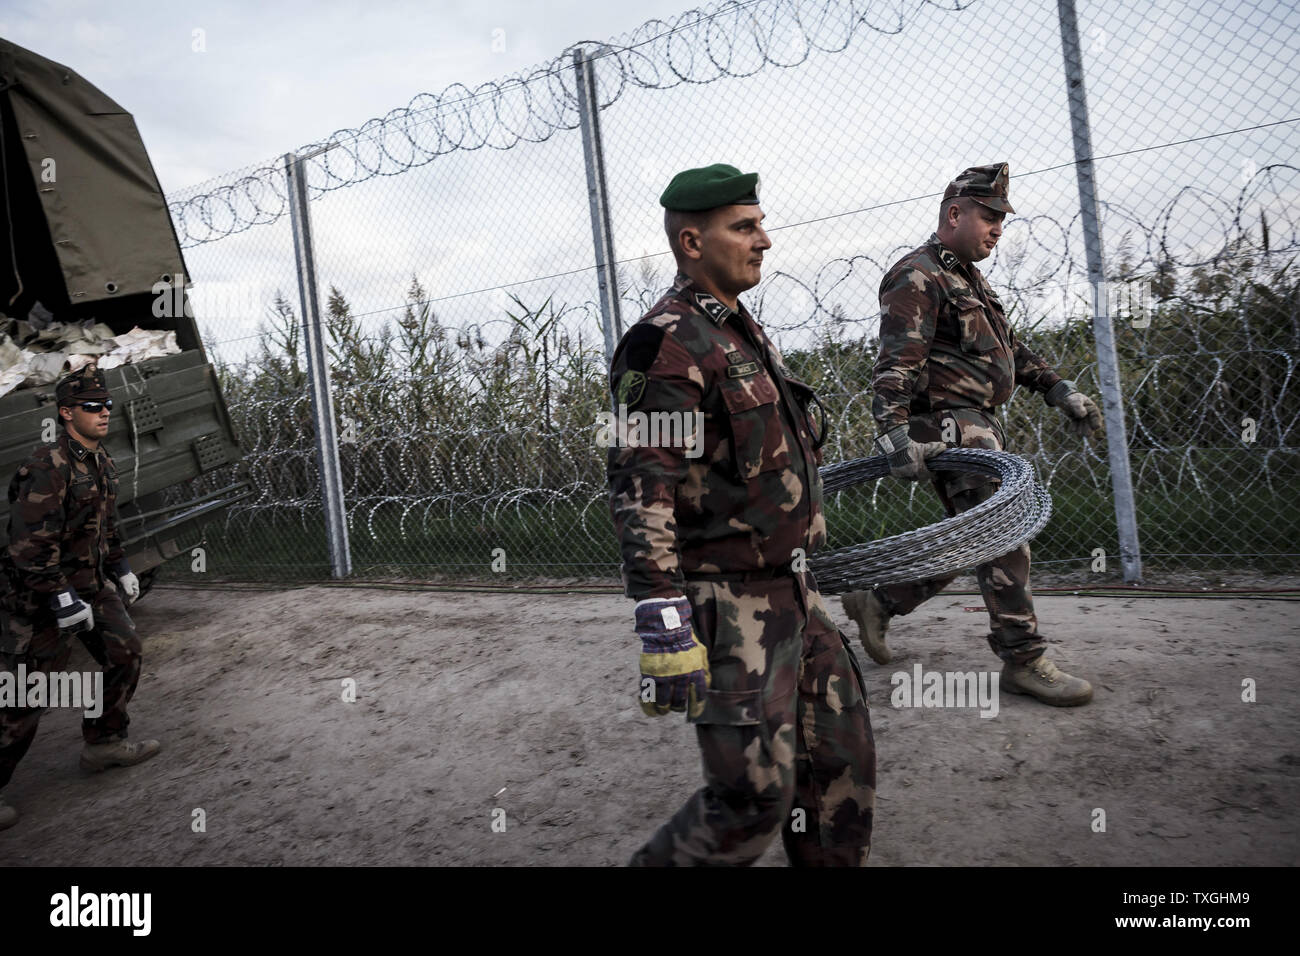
(785, 734)
(37, 642)
(1004, 581)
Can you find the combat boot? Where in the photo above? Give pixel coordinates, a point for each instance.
(117, 753)
(8, 815)
(1043, 679)
(873, 621)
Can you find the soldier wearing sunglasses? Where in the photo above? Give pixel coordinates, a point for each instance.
(65, 574)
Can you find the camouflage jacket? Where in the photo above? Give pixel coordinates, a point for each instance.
(748, 494)
(945, 341)
(62, 521)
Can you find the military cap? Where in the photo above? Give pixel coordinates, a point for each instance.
(987, 185)
(86, 385)
(694, 190)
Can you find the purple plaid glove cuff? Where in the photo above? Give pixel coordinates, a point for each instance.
(664, 625)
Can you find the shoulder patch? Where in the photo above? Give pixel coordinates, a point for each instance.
(629, 389)
(641, 346)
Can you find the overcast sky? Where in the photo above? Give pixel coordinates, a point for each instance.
(855, 138)
(275, 75)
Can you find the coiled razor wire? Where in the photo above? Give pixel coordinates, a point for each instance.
(1016, 513)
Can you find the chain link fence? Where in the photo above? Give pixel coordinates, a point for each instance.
(460, 306)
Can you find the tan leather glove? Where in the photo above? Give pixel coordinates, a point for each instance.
(1084, 416)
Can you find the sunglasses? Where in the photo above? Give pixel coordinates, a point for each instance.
(94, 407)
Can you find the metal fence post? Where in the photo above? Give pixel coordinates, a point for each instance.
(602, 234)
(1103, 329)
(322, 401)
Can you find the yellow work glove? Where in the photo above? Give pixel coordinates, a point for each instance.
(674, 664)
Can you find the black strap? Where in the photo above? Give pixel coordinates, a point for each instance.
(823, 423)
(760, 574)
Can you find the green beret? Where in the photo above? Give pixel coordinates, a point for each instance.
(987, 185)
(694, 190)
(86, 385)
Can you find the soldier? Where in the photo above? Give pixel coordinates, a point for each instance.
(64, 555)
(948, 359)
(714, 530)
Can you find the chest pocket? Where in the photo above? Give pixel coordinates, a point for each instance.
(817, 425)
(977, 334)
(82, 503)
(83, 489)
(758, 437)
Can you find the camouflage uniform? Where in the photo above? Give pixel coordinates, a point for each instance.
(63, 534)
(785, 732)
(947, 353)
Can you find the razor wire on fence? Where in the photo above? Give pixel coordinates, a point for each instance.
(734, 39)
(459, 289)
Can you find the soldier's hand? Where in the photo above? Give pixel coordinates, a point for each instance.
(73, 613)
(906, 457)
(1082, 412)
(674, 664)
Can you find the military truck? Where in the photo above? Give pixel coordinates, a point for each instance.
(85, 234)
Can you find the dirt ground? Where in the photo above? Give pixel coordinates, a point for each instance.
(471, 702)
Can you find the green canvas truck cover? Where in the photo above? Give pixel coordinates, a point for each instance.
(86, 235)
(91, 175)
